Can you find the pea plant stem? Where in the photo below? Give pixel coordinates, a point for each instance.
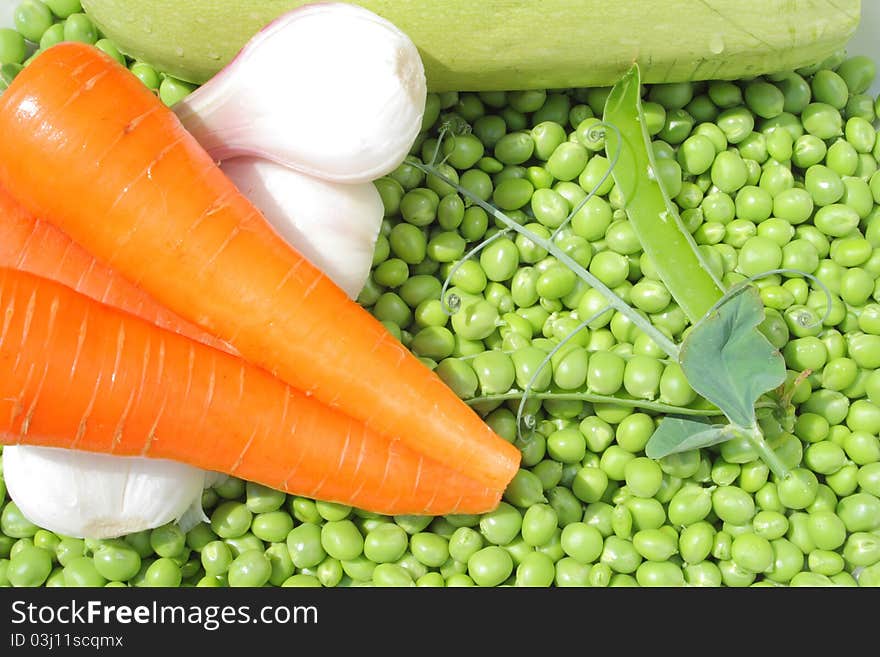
(756, 438)
(667, 345)
(659, 407)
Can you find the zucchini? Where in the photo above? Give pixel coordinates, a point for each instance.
(516, 44)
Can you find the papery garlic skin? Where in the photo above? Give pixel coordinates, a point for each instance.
(91, 495)
(334, 225)
(329, 89)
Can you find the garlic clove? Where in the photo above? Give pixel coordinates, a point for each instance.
(334, 225)
(330, 89)
(91, 495)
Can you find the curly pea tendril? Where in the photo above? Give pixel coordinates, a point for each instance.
(451, 302)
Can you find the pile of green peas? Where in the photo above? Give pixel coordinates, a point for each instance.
(779, 171)
(41, 24)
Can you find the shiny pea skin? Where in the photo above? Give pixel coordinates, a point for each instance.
(647, 513)
(732, 504)
(689, 505)
(696, 541)
(659, 573)
(859, 512)
(620, 555)
(655, 544)
(527, 364)
(490, 566)
(571, 573)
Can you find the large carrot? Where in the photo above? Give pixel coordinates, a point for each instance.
(31, 245)
(87, 147)
(79, 374)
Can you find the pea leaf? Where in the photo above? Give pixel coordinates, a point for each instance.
(680, 434)
(728, 361)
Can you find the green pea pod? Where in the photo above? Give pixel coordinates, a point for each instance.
(652, 214)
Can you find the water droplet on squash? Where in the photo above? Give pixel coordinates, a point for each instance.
(716, 45)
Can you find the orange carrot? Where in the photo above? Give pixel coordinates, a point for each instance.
(31, 245)
(87, 147)
(79, 374)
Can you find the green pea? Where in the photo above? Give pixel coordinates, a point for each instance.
(251, 568)
(305, 545)
(568, 160)
(759, 254)
(502, 525)
(862, 549)
(595, 176)
(262, 499)
(29, 567)
(822, 120)
(69, 548)
(825, 562)
(842, 158)
(231, 519)
(733, 505)
(696, 541)
(859, 512)
(490, 566)
(858, 73)
(724, 94)
(118, 562)
(216, 557)
(391, 273)
(737, 123)
(828, 87)
(613, 462)
(566, 445)
(514, 147)
(733, 575)
(81, 572)
(862, 447)
(571, 573)
(527, 363)
(845, 481)
(641, 377)
(764, 99)
(463, 151)
(864, 349)
(620, 555)
(434, 342)
(539, 523)
(14, 524)
(689, 505)
(42, 538)
(64, 8)
(524, 489)
(32, 18)
(390, 190)
(826, 530)
(704, 573)
(171, 90)
(655, 544)
(752, 552)
(13, 49)
(869, 478)
(647, 513)
(788, 561)
(305, 510)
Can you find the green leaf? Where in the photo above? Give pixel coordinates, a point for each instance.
(679, 434)
(728, 361)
